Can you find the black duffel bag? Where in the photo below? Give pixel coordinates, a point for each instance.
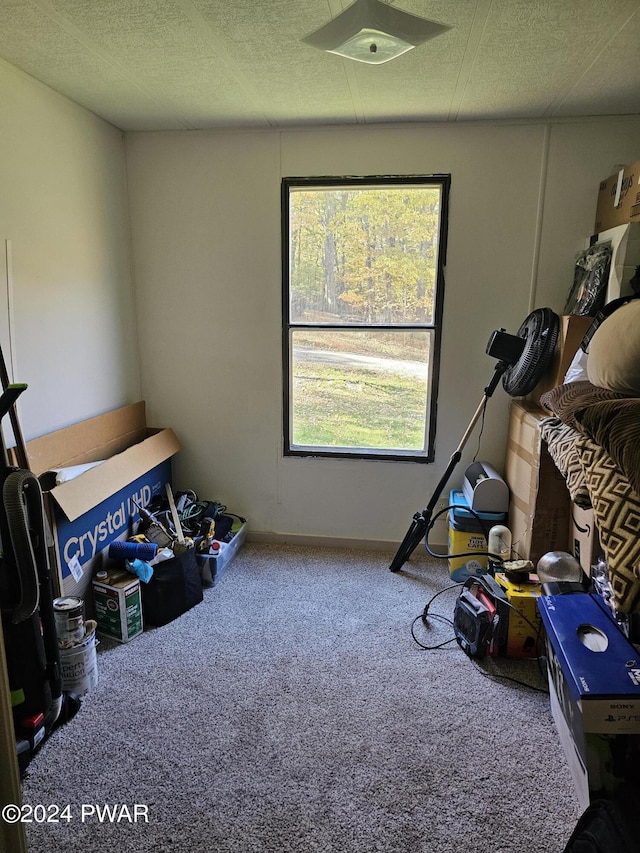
(174, 588)
(605, 827)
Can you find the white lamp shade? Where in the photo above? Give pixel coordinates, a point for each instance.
(373, 32)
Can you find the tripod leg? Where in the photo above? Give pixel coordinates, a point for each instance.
(422, 520)
(415, 534)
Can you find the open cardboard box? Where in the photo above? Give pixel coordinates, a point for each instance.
(97, 507)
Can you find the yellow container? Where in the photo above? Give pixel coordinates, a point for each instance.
(461, 542)
(524, 616)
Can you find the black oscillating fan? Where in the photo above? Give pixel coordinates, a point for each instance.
(523, 360)
(540, 333)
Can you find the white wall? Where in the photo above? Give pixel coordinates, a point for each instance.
(64, 229)
(205, 220)
(205, 212)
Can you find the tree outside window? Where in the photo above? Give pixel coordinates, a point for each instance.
(363, 284)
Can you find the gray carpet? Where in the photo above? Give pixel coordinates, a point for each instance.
(292, 711)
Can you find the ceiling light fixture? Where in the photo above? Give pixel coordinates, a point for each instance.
(373, 32)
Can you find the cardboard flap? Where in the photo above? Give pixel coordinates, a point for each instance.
(88, 441)
(77, 496)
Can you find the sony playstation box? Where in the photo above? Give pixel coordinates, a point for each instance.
(594, 685)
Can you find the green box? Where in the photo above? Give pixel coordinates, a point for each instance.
(118, 605)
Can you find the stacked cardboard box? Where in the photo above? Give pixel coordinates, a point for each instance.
(540, 505)
(619, 198)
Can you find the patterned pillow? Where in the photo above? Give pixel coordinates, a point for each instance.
(614, 351)
(561, 440)
(617, 509)
(615, 426)
(565, 401)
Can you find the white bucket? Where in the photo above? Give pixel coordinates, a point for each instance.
(79, 663)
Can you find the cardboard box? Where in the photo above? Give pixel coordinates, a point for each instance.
(524, 618)
(584, 542)
(572, 331)
(212, 566)
(118, 605)
(624, 242)
(594, 685)
(89, 512)
(540, 506)
(618, 198)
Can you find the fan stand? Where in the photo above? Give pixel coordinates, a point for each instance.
(421, 523)
(523, 358)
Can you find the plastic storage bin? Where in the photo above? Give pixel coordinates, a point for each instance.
(212, 566)
(467, 534)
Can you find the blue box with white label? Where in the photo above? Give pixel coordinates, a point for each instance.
(594, 685)
(89, 511)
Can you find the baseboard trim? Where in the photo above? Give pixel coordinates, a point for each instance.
(382, 545)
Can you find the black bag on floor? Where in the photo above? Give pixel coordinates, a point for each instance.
(604, 827)
(175, 587)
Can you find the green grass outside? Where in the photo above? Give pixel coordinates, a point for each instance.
(357, 407)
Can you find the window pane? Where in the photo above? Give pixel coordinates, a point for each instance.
(364, 390)
(363, 256)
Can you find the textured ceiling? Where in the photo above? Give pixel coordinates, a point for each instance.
(171, 64)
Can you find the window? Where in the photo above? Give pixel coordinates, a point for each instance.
(363, 287)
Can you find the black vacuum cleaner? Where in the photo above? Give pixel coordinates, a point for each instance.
(26, 596)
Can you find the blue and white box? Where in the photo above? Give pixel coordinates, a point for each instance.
(97, 507)
(594, 685)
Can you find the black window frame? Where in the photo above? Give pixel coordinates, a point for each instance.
(443, 181)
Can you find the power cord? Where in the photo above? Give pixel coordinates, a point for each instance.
(485, 531)
(447, 644)
(424, 618)
(196, 508)
(510, 678)
(425, 615)
(538, 641)
(484, 412)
